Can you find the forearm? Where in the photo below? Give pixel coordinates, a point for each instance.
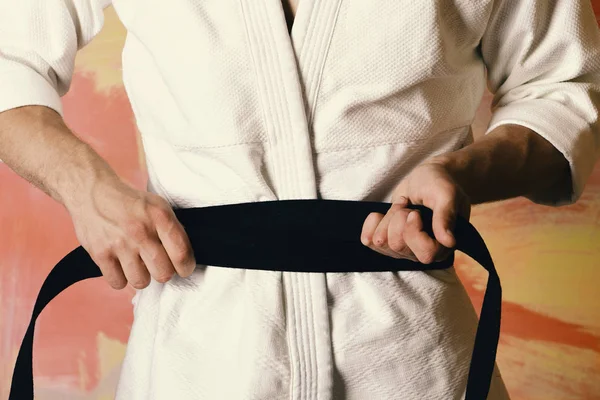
(38, 146)
(510, 161)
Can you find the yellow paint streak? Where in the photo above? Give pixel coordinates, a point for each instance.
(110, 352)
(102, 57)
(552, 274)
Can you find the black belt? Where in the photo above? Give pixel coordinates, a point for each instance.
(290, 235)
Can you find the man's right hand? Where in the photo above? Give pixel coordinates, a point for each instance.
(131, 235)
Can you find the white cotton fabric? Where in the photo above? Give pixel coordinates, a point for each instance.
(231, 109)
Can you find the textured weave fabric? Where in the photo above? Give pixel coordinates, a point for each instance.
(231, 110)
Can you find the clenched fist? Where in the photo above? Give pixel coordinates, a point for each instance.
(400, 232)
(132, 235)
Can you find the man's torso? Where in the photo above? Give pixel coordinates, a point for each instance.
(234, 108)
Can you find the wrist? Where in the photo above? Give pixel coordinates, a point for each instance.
(457, 165)
(86, 175)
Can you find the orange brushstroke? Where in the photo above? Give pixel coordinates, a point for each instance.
(524, 323)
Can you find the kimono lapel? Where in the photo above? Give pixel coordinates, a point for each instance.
(311, 36)
(288, 68)
(288, 71)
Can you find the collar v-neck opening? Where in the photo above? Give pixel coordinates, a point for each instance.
(290, 16)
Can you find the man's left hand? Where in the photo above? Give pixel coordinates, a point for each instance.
(400, 232)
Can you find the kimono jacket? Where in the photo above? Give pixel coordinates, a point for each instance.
(233, 108)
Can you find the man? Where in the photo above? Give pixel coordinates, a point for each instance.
(362, 100)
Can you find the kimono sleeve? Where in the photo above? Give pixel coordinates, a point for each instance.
(543, 62)
(38, 43)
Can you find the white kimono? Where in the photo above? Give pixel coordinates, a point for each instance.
(232, 109)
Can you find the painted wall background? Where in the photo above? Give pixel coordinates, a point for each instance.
(548, 260)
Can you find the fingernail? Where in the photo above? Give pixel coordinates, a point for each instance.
(449, 232)
(412, 215)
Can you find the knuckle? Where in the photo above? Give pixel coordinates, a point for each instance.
(181, 256)
(157, 201)
(163, 276)
(397, 245)
(373, 215)
(409, 225)
(180, 244)
(378, 240)
(146, 201)
(118, 243)
(101, 254)
(116, 283)
(139, 282)
(415, 213)
(366, 240)
(372, 219)
(427, 257)
(114, 278)
(136, 230)
(161, 213)
(154, 255)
